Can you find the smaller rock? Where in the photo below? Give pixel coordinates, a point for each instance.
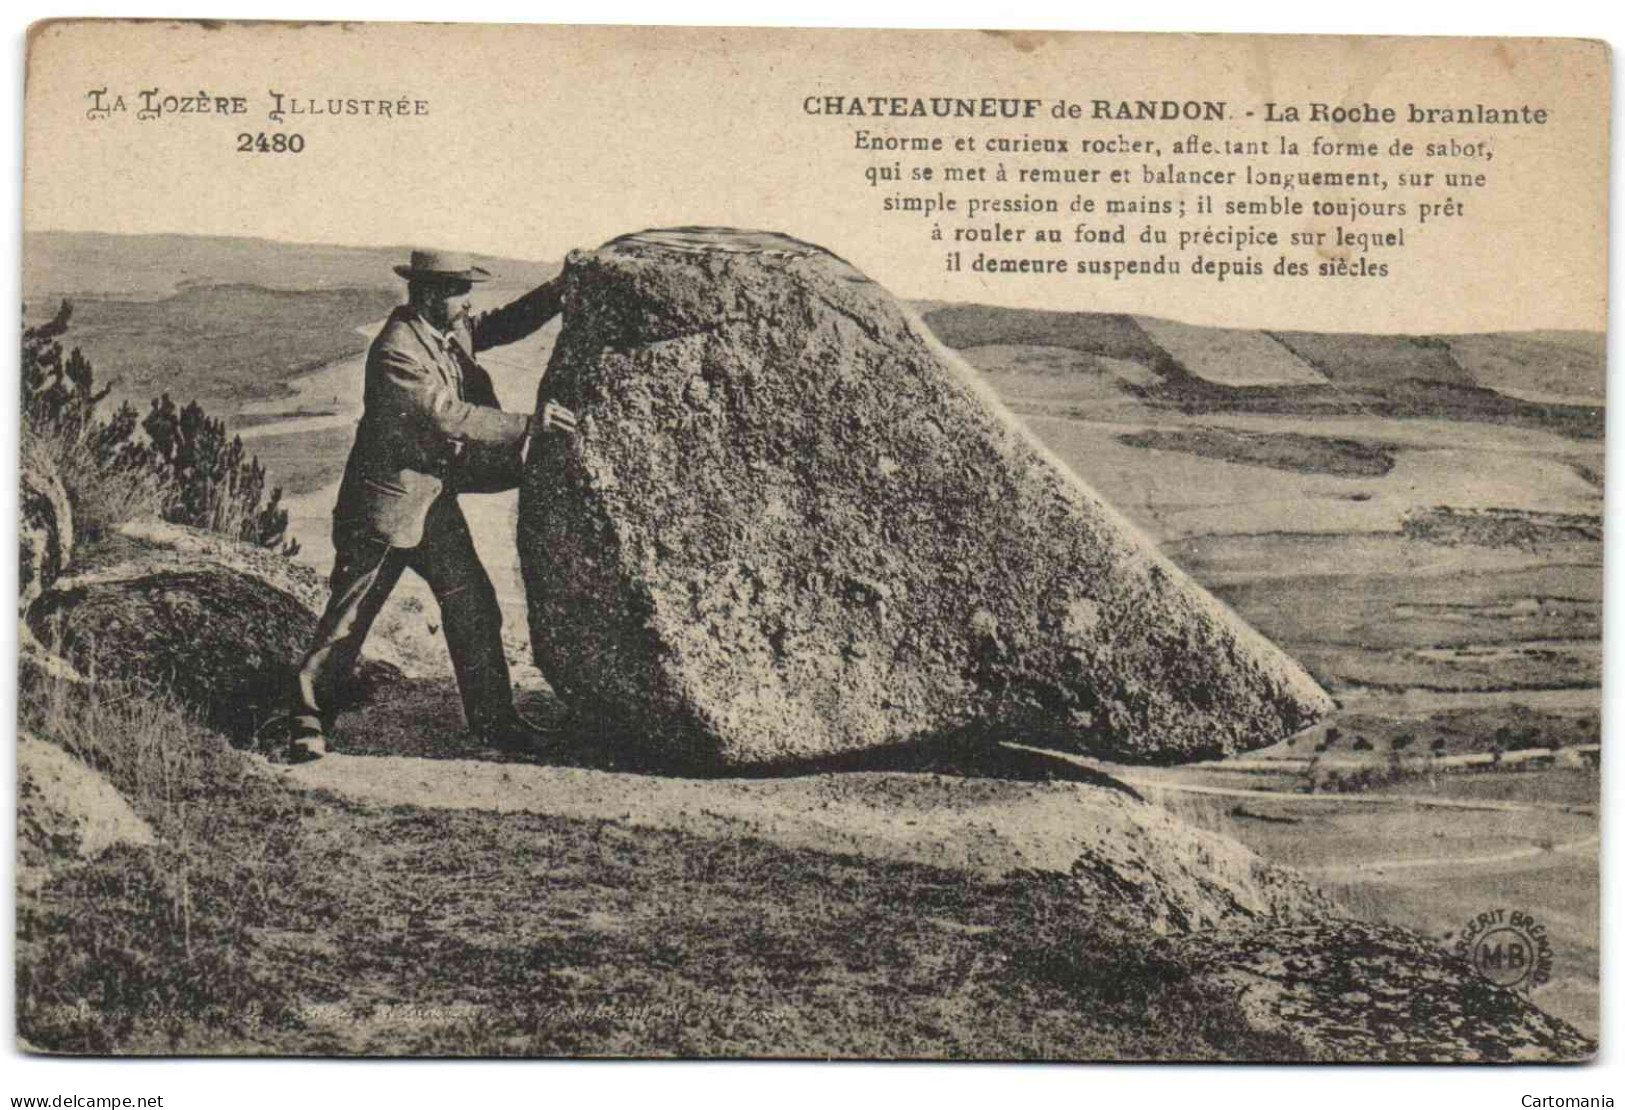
(158, 543)
(66, 812)
(219, 624)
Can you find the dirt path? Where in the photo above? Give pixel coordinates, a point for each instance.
(1417, 801)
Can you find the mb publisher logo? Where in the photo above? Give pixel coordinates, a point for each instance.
(1508, 948)
(1505, 956)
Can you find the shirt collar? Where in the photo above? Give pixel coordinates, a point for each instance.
(440, 337)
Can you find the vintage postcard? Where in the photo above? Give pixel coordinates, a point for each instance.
(656, 542)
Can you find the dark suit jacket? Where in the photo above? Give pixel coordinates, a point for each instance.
(431, 423)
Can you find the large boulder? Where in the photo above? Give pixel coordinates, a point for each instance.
(216, 623)
(44, 528)
(794, 525)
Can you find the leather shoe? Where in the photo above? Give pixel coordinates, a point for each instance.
(515, 734)
(306, 746)
(306, 750)
(291, 740)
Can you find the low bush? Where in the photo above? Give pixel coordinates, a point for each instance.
(181, 467)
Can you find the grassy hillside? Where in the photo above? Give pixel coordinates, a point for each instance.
(1376, 361)
(1281, 451)
(1543, 381)
(1089, 333)
(1566, 366)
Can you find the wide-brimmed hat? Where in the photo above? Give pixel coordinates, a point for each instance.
(442, 266)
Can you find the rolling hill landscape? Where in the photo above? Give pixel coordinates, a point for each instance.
(1416, 519)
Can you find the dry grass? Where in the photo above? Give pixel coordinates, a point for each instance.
(146, 747)
(103, 497)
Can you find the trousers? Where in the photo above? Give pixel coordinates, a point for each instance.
(365, 569)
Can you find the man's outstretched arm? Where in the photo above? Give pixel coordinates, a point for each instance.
(517, 319)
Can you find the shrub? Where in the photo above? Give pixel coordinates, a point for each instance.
(57, 393)
(216, 485)
(60, 427)
(185, 470)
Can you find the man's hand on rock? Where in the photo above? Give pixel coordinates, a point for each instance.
(557, 418)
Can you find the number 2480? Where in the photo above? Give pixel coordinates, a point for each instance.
(270, 144)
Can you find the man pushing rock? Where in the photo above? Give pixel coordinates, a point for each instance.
(431, 428)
